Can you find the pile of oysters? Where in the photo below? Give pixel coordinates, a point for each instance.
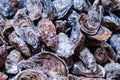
(59, 39)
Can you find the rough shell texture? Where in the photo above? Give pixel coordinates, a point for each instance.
(90, 23)
(51, 65)
(3, 76)
(24, 28)
(65, 47)
(31, 74)
(19, 44)
(115, 42)
(2, 54)
(11, 62)
(47, 33)
(34, 9)
(62, 7)
(102, 34)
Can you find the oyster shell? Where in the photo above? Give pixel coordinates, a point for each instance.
(115, 42)
(103, 34)
(34, 8)
(47, 62)
(24, 27)
(19, 44)
(90, 23)
(49, 11)
(47, 33)
(88, 67)
(111, 21)
(65, 47)
(11, 62)
(31, 74)
(62, 7)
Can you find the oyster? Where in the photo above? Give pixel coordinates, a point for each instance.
(49, 11)
(19, 44)
(48, 63)
(88, 67)
(47, 33)
(103, 34)
(111, 21)
(115, 42)
(11, 62)
(34, 8)
(24, 27)
(62, 7)
(90, 23)
(31, 74)
(65, 47)
(10, 7)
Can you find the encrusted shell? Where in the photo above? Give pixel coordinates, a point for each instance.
(12, 60)
(62, 7)
(19, 44)
(47, 62)
(34, 8)
(47, 33)
(31, 74)
(65, 47)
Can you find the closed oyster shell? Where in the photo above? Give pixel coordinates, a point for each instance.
(10, 7)
(47, 33)
(76, 36)
(19, 44)
(8, 28)
(80, 5)
(80, 69)
(65, 47)
(47, 62)
(111, 21)
(112, 70)
(62, 7)
(12, 60)
(49, 11)
(34, 8)
(87, 66)
(24, 27)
